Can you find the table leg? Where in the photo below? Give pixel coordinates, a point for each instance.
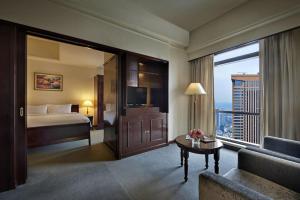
(206, 161)
(217, 158)
(181, 157)
(186, 165)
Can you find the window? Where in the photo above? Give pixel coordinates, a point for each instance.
(237, 94)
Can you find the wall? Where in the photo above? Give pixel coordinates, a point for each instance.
(78, 84)
(179, 78)
(251, 21)
(52, 17)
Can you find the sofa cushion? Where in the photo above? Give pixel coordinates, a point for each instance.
(274, 153)
(280, 171)
(215, 187)
(285, 146)
(261, 185)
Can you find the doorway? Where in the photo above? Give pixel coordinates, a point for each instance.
(67, 89)
(13, 65)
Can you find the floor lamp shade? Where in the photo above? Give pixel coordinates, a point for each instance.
(195, 89)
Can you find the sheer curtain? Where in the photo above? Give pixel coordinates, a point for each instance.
(202, 70)
(280, 87)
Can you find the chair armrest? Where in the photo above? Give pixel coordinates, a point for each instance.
(213, 186)
(285, 146)
(274, 153)
(280, 171)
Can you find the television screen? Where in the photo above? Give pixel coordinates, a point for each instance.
(136, 95)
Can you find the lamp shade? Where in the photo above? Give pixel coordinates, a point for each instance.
(87, 103)
(195, 89)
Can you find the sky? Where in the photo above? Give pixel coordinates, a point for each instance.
(222, 73)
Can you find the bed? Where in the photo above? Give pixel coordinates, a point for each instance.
(46, 129)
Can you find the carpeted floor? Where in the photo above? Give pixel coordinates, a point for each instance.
(76, 171)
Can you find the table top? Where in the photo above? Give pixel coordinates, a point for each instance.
(209, 147)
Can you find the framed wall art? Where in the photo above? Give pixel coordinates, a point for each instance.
(50, 82)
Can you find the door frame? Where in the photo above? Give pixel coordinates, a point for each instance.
(18, 155)
(119, 53)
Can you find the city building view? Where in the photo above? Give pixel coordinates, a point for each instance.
(237, 95)
(242, 123)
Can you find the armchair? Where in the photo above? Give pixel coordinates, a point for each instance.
(258, 176)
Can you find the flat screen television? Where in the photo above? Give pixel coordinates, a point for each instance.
(136, 96)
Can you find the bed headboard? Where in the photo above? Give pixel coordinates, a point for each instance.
(75, 108)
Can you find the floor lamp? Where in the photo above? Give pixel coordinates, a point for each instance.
(195, 89)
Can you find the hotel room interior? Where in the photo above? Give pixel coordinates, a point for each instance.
(137, 99)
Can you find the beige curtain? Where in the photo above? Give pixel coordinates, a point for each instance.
(202, 70)
(280, 88)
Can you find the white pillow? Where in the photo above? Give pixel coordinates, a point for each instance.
(59, 109)
(37, 110)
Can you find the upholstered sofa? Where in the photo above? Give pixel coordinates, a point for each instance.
(258, 176)
(281, 148)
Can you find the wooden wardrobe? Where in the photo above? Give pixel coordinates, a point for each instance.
(143, 126)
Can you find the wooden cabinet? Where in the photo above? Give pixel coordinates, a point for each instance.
(98, 101)
(142, 105)
(143, 129)
(134, 136)
(157, 128)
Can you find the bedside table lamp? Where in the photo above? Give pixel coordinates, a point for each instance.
(87, 104)
(195, 89)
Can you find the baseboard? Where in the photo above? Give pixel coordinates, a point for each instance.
(172, 141)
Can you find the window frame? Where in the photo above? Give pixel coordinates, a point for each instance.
(227, 61)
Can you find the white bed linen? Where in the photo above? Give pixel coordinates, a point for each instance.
(59, 109)
(55, 119)
(37, 109)
(109, 116)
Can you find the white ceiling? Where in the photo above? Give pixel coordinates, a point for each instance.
(188, 14)
(130, 16)
(168, 21)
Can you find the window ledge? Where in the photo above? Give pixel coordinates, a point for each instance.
(235, 144)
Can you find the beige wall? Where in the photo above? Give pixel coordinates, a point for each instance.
(253, 20)
(78, 84)
(179, 78)
(50, 16)
(43, 48)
